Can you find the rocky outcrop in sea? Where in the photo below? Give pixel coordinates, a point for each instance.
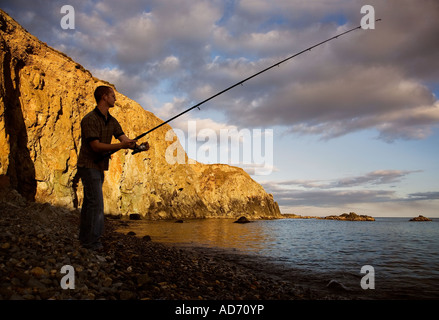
(351, 216)
(420, 218)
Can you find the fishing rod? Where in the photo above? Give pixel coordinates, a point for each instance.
(144, 146)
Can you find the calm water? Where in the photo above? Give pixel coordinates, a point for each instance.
(405, 255)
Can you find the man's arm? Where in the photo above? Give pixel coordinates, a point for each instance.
(124, 139)
(125, 143)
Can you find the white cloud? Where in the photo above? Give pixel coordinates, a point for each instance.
(138, 40)
(255, 169)
(373, 187)
(126, 84)
(369, 79)
(377, 177)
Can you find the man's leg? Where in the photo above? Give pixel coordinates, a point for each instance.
(92, 212)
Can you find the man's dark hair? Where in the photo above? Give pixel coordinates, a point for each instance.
(100, 91)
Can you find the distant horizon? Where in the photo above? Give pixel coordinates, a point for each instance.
(370, 216)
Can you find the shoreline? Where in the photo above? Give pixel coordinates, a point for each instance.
(38, 239)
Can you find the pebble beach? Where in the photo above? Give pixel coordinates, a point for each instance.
(37, 240)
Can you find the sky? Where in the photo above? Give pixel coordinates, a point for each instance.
(352, 125)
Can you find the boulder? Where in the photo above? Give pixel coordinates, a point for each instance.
(336, 286)
(135, 216)
(420, 218)
(351, 216)
(242, 220)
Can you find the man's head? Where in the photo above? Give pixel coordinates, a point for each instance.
(105, 94)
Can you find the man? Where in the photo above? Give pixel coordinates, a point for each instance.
(97, 129)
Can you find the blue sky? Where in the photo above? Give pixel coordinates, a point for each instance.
(355, 121)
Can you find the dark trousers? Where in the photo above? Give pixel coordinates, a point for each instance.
(92, 212)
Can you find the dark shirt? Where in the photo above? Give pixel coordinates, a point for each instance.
(94, 126)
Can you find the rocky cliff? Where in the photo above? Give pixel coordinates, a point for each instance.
(43, 96)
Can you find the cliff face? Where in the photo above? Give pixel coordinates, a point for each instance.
(43, 97)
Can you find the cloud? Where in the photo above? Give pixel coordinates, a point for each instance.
(375, 178)
(330, 198)
(337, 100)
(125, 84)
(256, 169)
(359, 99)
(338, 198)
(423, 196)
(367, 80)
(158, 51)
(367, 188)
(378, 177)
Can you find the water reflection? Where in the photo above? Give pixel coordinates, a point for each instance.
(404, 254)
(205, 232)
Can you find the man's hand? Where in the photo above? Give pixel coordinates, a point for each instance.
(100, 147)
(142, 147)
(128, 144)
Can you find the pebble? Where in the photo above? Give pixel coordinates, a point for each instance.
(143, 279)
(38, 272)
(6, 245)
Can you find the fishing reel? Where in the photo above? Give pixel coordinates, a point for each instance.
(141, 147)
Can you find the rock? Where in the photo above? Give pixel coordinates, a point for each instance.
(5, 293)
(6, 245)
(146, 238)
(242, 220)
(297, 216)
(100, 258)
(420, 218)
(135, 216)
(24, 277)
(127, 295)
(351, 216)
(34, 283)
(114, 216)
(179, 221)
(131, 233)
(38, 272)
(90, 296)
(336, 286)
(46, 94)
(143, 279)
(107, 282)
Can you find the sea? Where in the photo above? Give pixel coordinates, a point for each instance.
(389, 258)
